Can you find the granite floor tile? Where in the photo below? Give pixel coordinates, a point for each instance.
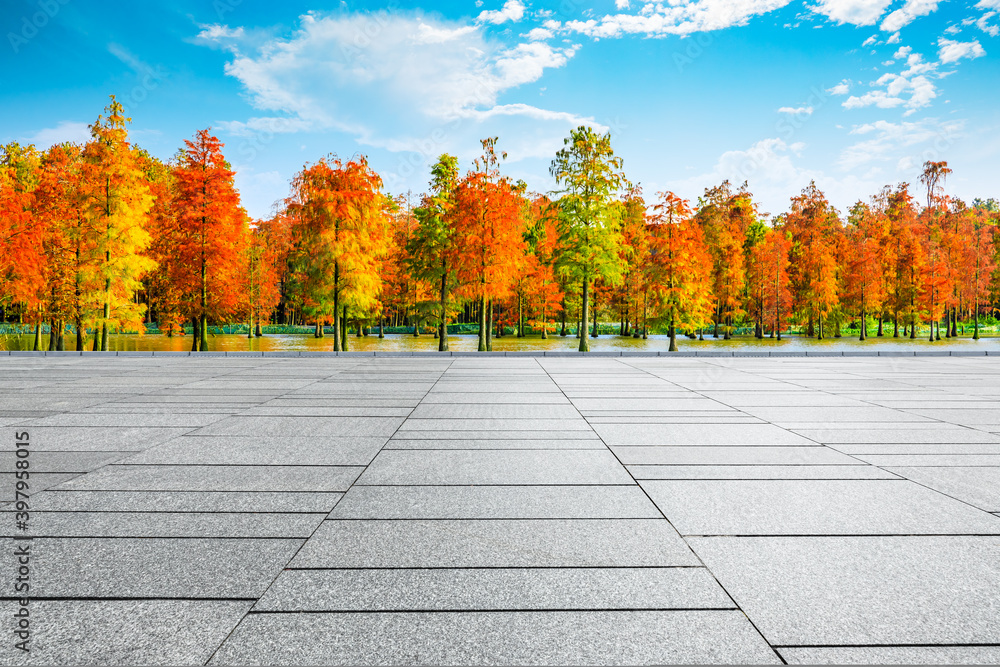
(495, 543)
(814, 507)
(495, 502)
(513, 638)
(581, 466)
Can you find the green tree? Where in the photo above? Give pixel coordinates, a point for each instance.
(590, 177)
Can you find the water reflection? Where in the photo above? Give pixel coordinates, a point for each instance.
(469, 343)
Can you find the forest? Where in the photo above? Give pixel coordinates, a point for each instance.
(103, 237)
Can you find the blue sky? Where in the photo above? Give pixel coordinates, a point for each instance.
(854, 94)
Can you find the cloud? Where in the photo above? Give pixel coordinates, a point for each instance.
(902, 52)
(539, 34)
(894, 141)
(910, 89)
(513, 10)
(854, 12)
(677, 17)
(893, 39)
(871, 40)
(66, 130)
(905, 15)
(796, 111)
(982, 24)
(622, 4)
(950, 51)
(403, 82)
(841, 88)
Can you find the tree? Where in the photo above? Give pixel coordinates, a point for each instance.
(118, 203)
(489, 226)
(815, 231)
(590, 176)
(340, 237)
(213, 232)
(771, 257)
(681, 265)
(863, 284)
(431, 249)
(21, 237)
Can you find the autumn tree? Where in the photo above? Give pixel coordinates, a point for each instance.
(863, 278)
(118, 203)
(489, 228)
(212, 233)
(590, 176)
(815, 231)
(681, 265)
(340, 237)
(432, 248)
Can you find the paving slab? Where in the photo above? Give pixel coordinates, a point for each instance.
(511, 638)
(155, 568)
(75, 462)
(166, 524)
(862, 590)
(125, 632)
(495, 543)
(60, 500)
(303, 426)
(91, 439)
(495, 502)
(506, 589)
(974, 485)
(698, 434)
(801, 472)
(720, 456)
(495, 467)
(215, 478)
(814, 507)
(891, 655)
(262, 450)
(593, 442)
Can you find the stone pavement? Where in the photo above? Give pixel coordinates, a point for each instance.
(467, 510)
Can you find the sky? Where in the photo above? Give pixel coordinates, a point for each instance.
(854, 94)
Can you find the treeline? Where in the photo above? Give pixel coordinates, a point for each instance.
(104, 237)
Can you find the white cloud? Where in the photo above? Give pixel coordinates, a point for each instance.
(871, 40)
(219, 33)
(66, 130)
(513, 10)
(401, 82)
(676, 17)
(902, 52)
(796, 111)
(855, 12)
(905, 15)
(950, 51)
(982, 24)
(539, 34)
(622, 4)
(841, 88)
(988, 4)
(893, 39)
(897, 141)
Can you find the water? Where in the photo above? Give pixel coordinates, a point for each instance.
(463, 343)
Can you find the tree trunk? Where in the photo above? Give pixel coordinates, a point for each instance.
(343, 330)
(489, 329)
(258, 332)
(562, 333)
(318, 332)
(864, 323)
(381, 327)
(61, 338)
(79, 335)
(584, 342)
(443, 335)
(482, 324)
(895, 325)
(195, 334)
(673, 333)
(881, 319)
